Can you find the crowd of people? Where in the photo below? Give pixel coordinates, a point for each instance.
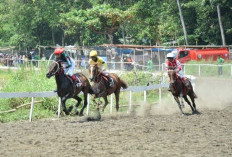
(16, 60)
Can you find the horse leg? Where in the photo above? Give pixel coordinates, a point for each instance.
(179, 105)
(85, 103)
(116, 93)
(192, 97)
(106, 103)
(186, 99)
(95, 103)
(78, 99)
(63, 100)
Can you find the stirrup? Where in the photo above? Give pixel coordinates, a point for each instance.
(78, 84)
(111, 84)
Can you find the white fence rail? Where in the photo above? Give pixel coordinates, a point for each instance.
(33, 95)
(205, 69)
(131, 89)
(191, 69)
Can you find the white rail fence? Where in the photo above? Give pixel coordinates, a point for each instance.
(191, 69)
(130, 89)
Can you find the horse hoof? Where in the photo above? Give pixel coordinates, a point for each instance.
(81, 114)
(77, 113)
(67, 113)
(70, 108)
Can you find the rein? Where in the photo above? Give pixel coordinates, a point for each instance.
(58, 69)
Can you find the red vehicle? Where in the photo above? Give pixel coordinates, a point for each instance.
(185, 55)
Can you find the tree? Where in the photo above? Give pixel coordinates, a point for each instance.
(182, 22)
(101, 19)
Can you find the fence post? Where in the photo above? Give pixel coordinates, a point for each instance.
(111, 103)
(31, 112)
(193, 83)
(231, 70)
(145, 96)
(130, 107)
(87, 110)
(160, 92)
(199, 70)
(163, 67)
(59, 105)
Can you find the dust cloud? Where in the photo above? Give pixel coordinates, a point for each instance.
(213, 94)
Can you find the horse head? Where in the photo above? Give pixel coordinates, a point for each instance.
(93, 72)
(172, 77)
(54, 68)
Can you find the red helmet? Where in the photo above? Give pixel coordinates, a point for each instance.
(58, 50)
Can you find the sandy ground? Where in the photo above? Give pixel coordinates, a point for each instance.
(157, 130)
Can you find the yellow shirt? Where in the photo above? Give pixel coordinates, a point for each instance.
(100, 62)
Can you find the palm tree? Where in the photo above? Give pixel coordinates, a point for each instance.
(182, 22)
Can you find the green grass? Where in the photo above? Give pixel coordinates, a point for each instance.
(192, 68)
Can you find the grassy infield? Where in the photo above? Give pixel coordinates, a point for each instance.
(31, 80)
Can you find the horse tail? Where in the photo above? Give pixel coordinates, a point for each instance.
(195, 96)
(124, 84)
(193, 93)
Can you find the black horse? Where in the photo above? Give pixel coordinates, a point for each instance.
(66, 88)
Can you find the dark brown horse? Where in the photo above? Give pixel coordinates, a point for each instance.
(179, 90)
(66, 88)
(101, 86)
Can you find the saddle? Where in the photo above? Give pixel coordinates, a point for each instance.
(186, 84)
(74, 83)
(106, 79)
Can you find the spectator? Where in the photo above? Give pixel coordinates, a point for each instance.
(124, 59)
(129, 61)
(220, 61)
(149, 65)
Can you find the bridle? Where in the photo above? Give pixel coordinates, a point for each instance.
(57, 69)
(93, 77)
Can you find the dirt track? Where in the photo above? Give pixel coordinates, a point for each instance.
(142, 134)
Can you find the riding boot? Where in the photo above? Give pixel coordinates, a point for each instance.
(76, 81)
(186, 82)
(111, 81)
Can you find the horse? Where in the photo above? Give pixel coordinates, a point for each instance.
(178, 89)
(101, 86)
(66, 88)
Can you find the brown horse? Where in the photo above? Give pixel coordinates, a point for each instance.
(101, 86)
(179, 90)
(66, 88)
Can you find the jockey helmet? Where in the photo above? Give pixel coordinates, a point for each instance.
(170, 56)
(93, 53)
(58, 50)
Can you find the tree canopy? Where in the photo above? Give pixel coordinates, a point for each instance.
(29, 23)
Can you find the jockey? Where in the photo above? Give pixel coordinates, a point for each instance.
(67, 63)
(95, 59)
(173, 63)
